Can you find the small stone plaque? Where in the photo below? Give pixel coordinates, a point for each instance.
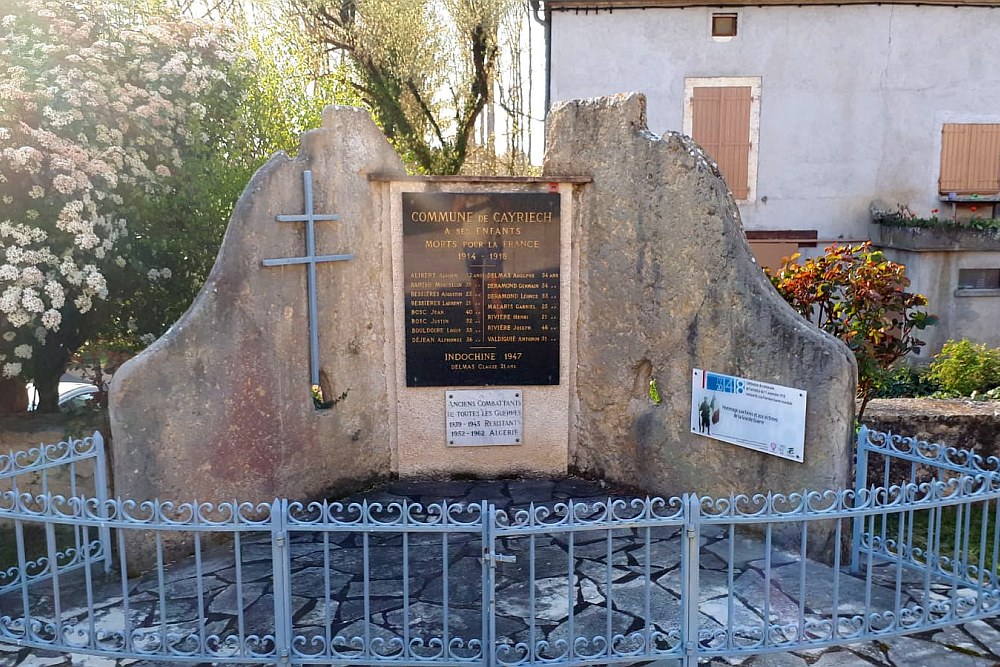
(476, 417)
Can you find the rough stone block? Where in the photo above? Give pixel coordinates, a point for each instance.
(667, 283)
(220, 406)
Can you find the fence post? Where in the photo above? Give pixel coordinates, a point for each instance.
(281, 566)
(860, 484)
(101, 494)
(488, 515)
(690, 564)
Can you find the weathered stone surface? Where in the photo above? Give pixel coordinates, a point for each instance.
(818, 592)
(957, 640)
(961, 423)
(749, 550)
(667, 283)
(775, 660)
(220, 406)
(910, 651)
(841, 659)
(22, 432)
(986, 634)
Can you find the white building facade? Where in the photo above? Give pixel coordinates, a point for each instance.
(811, 110)
(851, 99)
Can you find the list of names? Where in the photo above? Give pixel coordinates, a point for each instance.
(482, 288)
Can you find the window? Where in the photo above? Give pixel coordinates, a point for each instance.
(723, 25)
(979, 279)
(970, 158)
(721, 124)
(770, 247)
(723, 116)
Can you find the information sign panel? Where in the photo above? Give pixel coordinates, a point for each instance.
(481, 288)
(767, 417)
(484, 417)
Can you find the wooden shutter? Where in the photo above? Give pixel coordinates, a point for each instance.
(970, 158)
(721, 125)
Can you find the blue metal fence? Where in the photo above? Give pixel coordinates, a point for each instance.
(617, 581)
(79, 545)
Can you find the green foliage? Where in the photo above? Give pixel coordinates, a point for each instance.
(905, 381)
(266, 88)
(293, 82)
(106, 106)
(951, 527)
(654, 392)
(176, 236)
(424, 68)
(857, 295)
(985, 224)
(34, 540)
(964, 368)
(283, 96)
(977, 223)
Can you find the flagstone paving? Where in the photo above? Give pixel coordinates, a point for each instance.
(328, 582)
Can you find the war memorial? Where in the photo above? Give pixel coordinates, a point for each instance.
(597, 435)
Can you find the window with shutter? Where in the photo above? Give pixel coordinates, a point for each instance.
(970, 158)
(722, 115)
(722, 127)
(979, 279)
(724, 24)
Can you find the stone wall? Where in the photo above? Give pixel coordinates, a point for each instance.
(20, 433)
(961, 423)
(667, 283)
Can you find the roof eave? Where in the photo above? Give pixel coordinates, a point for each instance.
(611, 5)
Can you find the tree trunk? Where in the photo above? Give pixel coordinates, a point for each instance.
(47, 386)
(51, 361)
(13, 395)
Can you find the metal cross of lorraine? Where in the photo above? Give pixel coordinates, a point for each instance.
(311, 259)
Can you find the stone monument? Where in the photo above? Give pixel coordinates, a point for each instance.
(220, 406)
(475, 326)
(666, 284)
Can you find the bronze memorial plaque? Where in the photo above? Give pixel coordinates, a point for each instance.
(481, 288)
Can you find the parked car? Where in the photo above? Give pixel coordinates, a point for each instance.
(73, 395)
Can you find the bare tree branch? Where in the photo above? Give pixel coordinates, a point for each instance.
(402, 59)
(428, 114)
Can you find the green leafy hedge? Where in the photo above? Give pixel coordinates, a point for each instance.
(964, 368)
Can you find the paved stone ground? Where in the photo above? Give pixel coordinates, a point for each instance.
(327, 586)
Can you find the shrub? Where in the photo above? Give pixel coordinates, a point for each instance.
(859, 296)
(963, 367)
(905, 381)
(102, 111)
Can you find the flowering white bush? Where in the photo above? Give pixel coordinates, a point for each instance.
(95, 112)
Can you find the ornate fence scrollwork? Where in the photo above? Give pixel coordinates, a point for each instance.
(562, 582)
